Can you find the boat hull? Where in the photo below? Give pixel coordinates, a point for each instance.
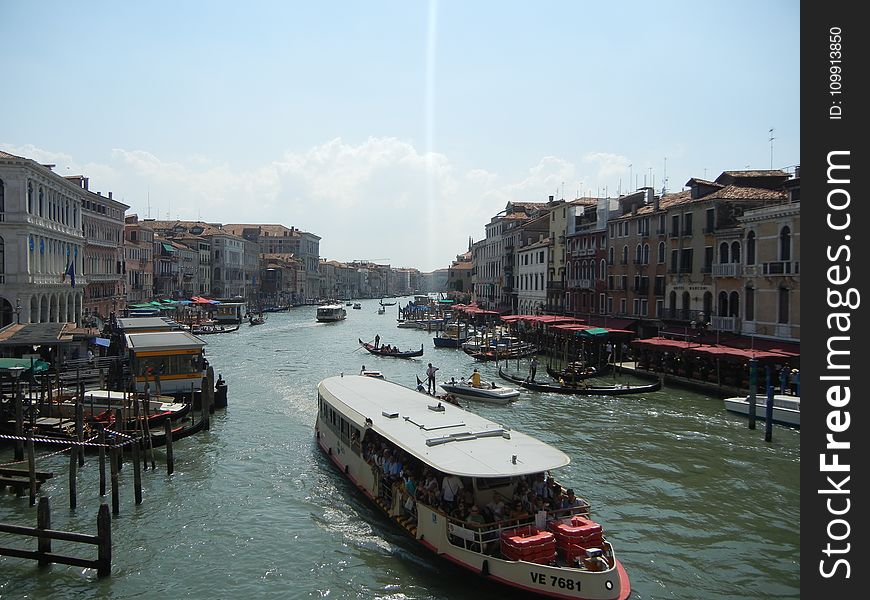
(499, 395)
(783, 416)
(431, 531)
(581, 389)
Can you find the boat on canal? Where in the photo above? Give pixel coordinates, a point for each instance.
(330, 313)
(487, 391)
(786, 409)
(558, 553)
(391, 352)
(581, 388)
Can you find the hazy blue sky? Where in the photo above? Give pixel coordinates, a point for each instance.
(394, 129)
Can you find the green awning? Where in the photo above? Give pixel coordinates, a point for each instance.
(38, 365)
(595, 331)
(168, 247)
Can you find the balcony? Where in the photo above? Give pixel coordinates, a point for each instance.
(728, 270)
(555, 286)
(583, 253)
(728, 324)
(780, 268)
(582, 284)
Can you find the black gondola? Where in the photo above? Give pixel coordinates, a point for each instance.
(570, 376)
(393, 354)
(582, 388)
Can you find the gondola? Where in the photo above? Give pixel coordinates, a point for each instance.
(505, 353)
(582, 388)
(395, 354)
(382, 303)
(570, 376)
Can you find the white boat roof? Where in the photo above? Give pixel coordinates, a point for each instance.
(330, 306)
(162, 340)
(152, 323)
(451, 440)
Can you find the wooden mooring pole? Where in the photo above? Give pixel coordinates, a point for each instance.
(170, 459)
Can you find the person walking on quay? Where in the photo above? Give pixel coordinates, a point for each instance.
(533, 368)
(430, 373)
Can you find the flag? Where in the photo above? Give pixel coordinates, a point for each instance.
(71, 271)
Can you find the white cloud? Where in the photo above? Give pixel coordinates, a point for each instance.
(380, 198)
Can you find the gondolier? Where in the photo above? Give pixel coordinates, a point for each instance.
(430, 373)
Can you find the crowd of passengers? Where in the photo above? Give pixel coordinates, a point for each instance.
(416, 482)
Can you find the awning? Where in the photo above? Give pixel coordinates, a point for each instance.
(102, 342)
(168, 247)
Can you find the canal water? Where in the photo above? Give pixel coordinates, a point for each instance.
(696, 504)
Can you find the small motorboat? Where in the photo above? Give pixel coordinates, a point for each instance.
(357, 306)
(489, 391)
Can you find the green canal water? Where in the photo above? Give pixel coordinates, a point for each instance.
(696, 504)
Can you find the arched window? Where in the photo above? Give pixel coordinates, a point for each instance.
(41, 201)
(661, 252)
(785, 244)
(625, 255)
(646, 254)
(723, 253)
(602, 272)
(687, 302)
(2, 257)
(2, 196)
(672, 302)
(734, 304)
(29, 197)
(708, 305)
(783, 305)
(750, 303)
(722, 308)
(638, 254)
(610, 255)
(750, 248)
(735, 252)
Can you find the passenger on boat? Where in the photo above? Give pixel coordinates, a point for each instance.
(570, 500)
(362, 370)
(475, 378)
(518, 513)
(496, 507)
(451, 485)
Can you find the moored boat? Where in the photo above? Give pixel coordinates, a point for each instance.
(575, 373)
(556, 553)
(581, 388)
(786, 409)
(488, 391)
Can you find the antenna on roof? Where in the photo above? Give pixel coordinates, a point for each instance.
(771, 147)
(665, 183)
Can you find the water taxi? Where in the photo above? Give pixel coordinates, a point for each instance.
(786, 409)
(487, 391)
(553, 553)
(329, 313)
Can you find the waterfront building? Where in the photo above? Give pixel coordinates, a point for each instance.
(103, 265)
(531, 268)
(557, 271)
(459, 272)
(493, 257)
(284, 279)
(278, 239)
(42, 245)
(770, 278)
(586, 260)
(138, 256)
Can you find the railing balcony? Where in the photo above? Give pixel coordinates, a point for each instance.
(780, 268)
(729, 324)
(555, 285)
(728, 270)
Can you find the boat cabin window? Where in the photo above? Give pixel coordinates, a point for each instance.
(172, 364)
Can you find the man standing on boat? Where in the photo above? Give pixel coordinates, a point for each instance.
(533, 368)
(430, 373)
(377, 340)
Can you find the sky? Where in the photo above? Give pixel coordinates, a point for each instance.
(395, 130)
